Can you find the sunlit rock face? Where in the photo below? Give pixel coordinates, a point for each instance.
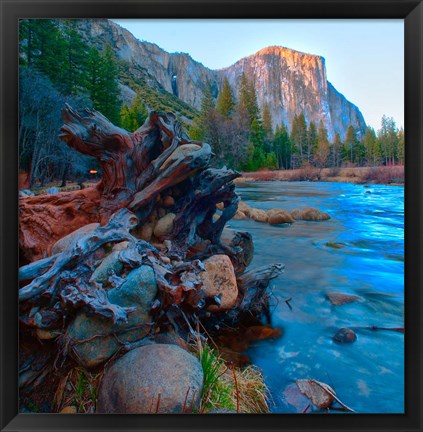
(291, 82)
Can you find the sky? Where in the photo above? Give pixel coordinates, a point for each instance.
(364, 58)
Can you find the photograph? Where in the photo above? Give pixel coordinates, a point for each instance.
(211, 216)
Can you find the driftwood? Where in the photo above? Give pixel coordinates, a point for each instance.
(155, 173)
(136, 168)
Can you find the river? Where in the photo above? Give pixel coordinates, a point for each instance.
(367, 223)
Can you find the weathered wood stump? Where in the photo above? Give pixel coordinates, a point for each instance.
(161, 207)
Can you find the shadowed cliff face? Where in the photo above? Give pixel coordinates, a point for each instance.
(289, 81)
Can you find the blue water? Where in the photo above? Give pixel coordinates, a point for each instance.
(368, 222)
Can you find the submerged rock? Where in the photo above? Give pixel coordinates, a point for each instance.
(337, 298)
(219, 280)
(150, 379)
(279, 216)
(92, 338)
(345, 335)
(309, 214)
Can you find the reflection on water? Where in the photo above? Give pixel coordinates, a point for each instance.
(367, 227)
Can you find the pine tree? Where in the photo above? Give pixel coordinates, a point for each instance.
(322, 152)
(282, 147)
(349, 150)
(299, 138)
(247, 99)
(371, 147)
(225, 100)
(73, 78)
(267, 127)
(108, 101)
(311, 142)
(131, 118)
(336, 151)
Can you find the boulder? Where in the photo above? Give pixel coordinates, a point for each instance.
(345, 335)
(139, 290)
(164, 226)
(239, 215)
(279, 216)
(258, 215)
(219, 281)
(109, 266)
(66, 241)
(146, 231)
(337, 298)
(150, 379)
(309, 214)
(244, 208)
(168, 201)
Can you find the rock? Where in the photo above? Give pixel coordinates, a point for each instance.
(53, 190)
(164, 226)
(46, 334)
(309, 214)
(120, 246)
(161, 212)
(335, 245)
(279, 216)
(320, 394)
(219, 280)
(338, 299)
(139, 290)
(220, 206)
(239, 215)
(134, 383)
(146, 231)
(109, 266)
(258, 215)
(244, 208)
(65, 242)
(69, 410)
(168, 201)
(345, 335)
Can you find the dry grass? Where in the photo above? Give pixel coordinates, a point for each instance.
(378, 175)
(78, 389)
(230, 388)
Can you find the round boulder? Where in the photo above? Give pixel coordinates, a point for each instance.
(279, 216)
(219, 281)
(164, 226)
(150, 379)
(345, 335)
(309, 214)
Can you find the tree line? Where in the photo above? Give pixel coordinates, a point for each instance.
(243, 137)
(57, 65)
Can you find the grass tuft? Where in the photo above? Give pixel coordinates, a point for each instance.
(229, 388)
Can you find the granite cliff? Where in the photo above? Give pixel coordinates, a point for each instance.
(288, 80)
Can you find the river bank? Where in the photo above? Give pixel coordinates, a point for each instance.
(393, 175)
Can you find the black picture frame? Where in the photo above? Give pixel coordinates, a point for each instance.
(409, 10)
